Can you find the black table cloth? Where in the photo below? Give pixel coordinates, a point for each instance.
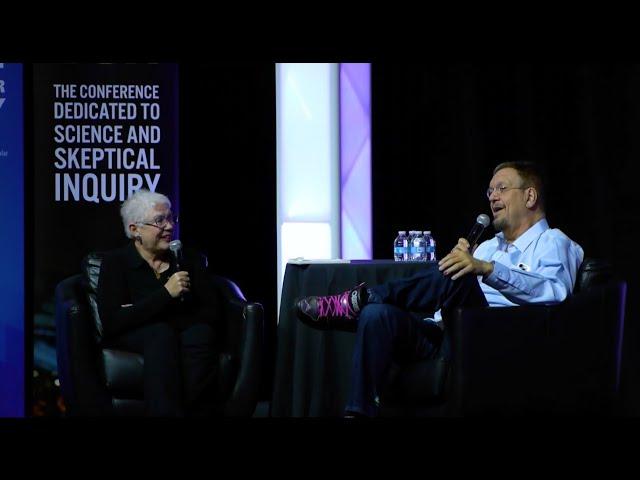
(312, 374)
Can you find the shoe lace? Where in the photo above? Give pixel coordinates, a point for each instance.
(335, 305)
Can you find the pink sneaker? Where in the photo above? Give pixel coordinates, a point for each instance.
(333, 311)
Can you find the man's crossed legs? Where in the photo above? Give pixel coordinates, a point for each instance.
(389, 321)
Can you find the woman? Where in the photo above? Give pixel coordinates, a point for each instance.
(169, 316)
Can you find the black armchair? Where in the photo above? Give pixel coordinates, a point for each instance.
(103, 381)
(536, 359)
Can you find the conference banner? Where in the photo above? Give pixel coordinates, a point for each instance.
(100, 133)
(12, 299)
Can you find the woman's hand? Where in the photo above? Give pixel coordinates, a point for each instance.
(178, 283)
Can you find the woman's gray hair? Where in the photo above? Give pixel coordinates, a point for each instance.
(137, 206)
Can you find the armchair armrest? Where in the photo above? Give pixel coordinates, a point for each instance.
(498, 357)
(244, 396)
(245, 342)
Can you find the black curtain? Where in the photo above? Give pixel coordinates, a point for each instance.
(228, 177)
(439, 129)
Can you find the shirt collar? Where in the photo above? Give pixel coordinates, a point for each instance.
(524, 240)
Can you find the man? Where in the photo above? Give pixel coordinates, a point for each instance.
(526, 262)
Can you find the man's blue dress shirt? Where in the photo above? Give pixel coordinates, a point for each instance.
(540, 266)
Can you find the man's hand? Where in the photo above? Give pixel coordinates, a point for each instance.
(460, 262)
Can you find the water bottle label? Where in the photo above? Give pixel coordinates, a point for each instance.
(420, 250)
(399, 250)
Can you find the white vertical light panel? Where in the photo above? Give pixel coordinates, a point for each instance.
(308, 162)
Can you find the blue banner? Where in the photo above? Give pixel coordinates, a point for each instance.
(12, 374)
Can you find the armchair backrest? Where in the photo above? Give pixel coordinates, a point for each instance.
(90, 271)
(593, 272)
(233, 307)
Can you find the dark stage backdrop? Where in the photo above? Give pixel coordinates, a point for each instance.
(228, 177)
(439, 129)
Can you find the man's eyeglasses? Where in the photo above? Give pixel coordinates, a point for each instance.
(161, 221)
(501, 189)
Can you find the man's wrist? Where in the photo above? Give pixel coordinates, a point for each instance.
(488, 269)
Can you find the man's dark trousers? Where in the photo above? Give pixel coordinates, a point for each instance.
(392, 327)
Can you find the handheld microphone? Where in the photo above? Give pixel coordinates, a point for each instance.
(176, 249)
(482, 222)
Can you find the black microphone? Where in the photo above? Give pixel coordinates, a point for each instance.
(176, 248)
(482, 222)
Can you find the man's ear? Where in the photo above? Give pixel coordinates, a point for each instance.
(532, 197)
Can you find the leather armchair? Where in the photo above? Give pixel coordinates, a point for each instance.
(559, 359)
(103, 381)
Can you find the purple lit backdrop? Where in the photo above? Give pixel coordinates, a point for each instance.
(355, 159)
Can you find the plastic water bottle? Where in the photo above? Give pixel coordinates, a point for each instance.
(419, 247)
(410, 251)
(401, 247)
(421, 253)
(430, 255)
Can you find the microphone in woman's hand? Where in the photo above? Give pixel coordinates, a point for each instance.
(176, 249)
